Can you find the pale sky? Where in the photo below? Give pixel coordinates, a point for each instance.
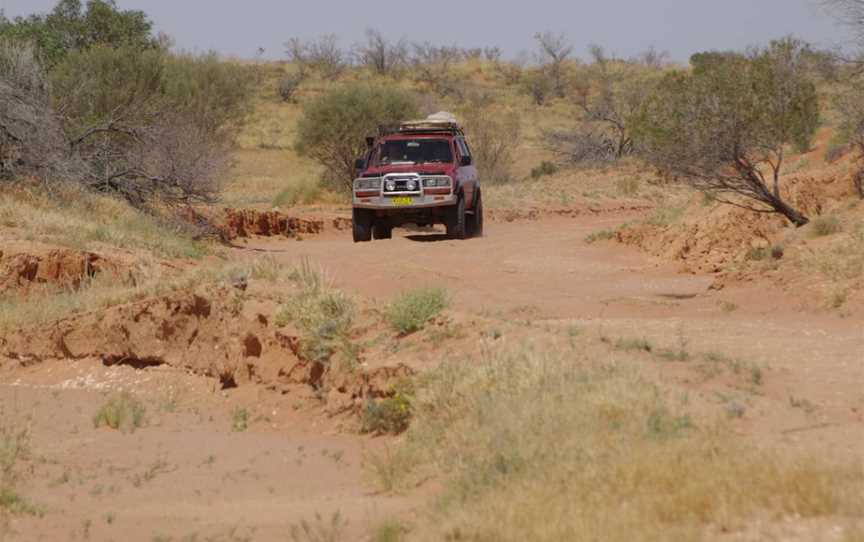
(624, 27)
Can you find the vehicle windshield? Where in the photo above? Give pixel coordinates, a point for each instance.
(415, 151)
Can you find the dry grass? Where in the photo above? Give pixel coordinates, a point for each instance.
(80, 220)
(545, 447)
(842, 261)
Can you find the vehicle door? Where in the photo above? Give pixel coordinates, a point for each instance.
(466, 171)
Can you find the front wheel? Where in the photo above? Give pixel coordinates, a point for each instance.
(456, 227)
(361, 222)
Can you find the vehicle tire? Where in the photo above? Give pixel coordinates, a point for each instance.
(361, 221)
(475, 222)
(382, 230)
(456, 226)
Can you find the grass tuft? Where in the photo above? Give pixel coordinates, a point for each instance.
(823, 226)
(411, 311)
(123, 411)
(600, 235)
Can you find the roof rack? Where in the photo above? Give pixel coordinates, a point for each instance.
(431, 125)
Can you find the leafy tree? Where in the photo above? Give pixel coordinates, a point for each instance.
(333, 128)
(725, 127)
(71, 26)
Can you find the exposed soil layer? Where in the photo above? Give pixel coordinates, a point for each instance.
(239, 223)
(709, 238)
(20, 270)
(220, 332)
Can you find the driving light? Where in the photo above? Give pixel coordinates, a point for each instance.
(411, 186)
(391, 186)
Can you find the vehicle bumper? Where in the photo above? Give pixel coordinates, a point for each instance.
(386, 203)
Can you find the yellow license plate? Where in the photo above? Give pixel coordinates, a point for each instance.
(402, 201)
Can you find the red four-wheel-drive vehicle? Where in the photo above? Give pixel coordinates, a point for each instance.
(421, 173)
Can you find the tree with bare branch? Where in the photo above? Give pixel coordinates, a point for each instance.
(611, 95)
(321, 54)
(32, 142)
(554, 52)
(380, 55)
(725, 127)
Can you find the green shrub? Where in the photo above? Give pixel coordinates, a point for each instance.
(411, 311)
(333, 128)
(122, 411)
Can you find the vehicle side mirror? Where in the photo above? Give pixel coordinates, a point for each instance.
(360, 164)
(370, 142)
(465, 161)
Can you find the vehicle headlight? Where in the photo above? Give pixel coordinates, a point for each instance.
(367, 184)
(390, 186)
(436, 182)
(411, 186)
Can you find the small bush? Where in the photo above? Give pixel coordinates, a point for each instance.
(826, 225)
(411, 311)
(390, 415)
(288, 86)
(122, 411)
(545, 168)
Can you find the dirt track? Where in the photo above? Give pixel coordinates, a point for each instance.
(189, 474)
